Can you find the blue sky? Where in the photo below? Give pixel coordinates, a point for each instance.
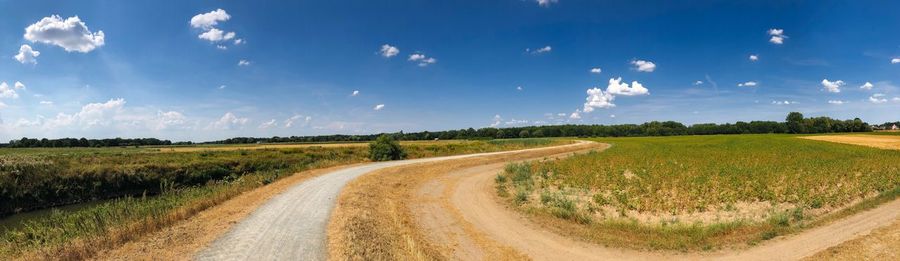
(155, 73)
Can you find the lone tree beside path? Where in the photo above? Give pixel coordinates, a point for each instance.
(385, 148)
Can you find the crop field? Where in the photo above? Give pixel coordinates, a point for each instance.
(701, 192)
(151, 189)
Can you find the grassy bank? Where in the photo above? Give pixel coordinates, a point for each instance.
(702, 192)
(180, 180)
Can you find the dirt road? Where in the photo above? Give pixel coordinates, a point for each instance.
(472, 212)
(292, 225)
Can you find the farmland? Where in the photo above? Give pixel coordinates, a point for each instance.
(701, 192)
(152, 189)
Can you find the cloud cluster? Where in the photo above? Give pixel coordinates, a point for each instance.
(877, 98)
(895, 61)
(378, 107)
(777, 36)
(208, 22)
(229, 122)
(617, 87)
(421, 59)
(837, 102)
(754, 57)
(832, 86)
(598, 98)
(71, 34)
(27, 55)
(643, 66)
(748, 84)
(596, 70)
(783, 102)
(10, 92)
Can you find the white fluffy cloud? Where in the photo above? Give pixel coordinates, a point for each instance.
(99, 114)
(378, 107)
(389, 51)
(216, 35)
(576, 115)
(617, 87)
(748, 84)
(229, 122)
(355, 93)
(754, 57)
(208, 20)
(243, 62)
(46, 103)
(597, 98)
(27, 55)
(7, 92)
(834, 86)
(698, 83)
(71, 34)
(777, 36)
(596, 70)
(643, 66)
(19, 85)
(168, 120)
(866, 86)
(421, 59)
(895, 61)
(497, 120)
(877, 98)
(546, 3)
(519, 88)
(836, 102)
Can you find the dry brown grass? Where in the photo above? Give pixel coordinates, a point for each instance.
(183, 233)
(881, 244)
(877, 141)
(373, 219)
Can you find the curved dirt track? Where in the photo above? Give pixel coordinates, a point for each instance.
(292, 225)
(469, 213)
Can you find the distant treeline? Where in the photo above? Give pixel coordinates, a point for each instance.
(794, 123)
(83, 142)
(887, 125)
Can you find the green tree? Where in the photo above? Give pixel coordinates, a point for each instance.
(795, 122)
(385, 148)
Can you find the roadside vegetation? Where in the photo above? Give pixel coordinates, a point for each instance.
(150, 189)
(701, 192)
(385, 148)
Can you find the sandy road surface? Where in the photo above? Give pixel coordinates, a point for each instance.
(292, 225)
(481, 215)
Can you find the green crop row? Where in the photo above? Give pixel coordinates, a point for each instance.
(680, 176)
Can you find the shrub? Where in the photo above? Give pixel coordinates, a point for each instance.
(385, 148)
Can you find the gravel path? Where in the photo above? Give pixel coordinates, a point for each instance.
(292, 226)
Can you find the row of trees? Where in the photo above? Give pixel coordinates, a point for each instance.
(83, 142)
(794, 123)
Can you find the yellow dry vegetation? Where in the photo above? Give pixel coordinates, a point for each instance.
(877, 141)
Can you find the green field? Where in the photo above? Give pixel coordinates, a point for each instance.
(700, 192)
(152, 189)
